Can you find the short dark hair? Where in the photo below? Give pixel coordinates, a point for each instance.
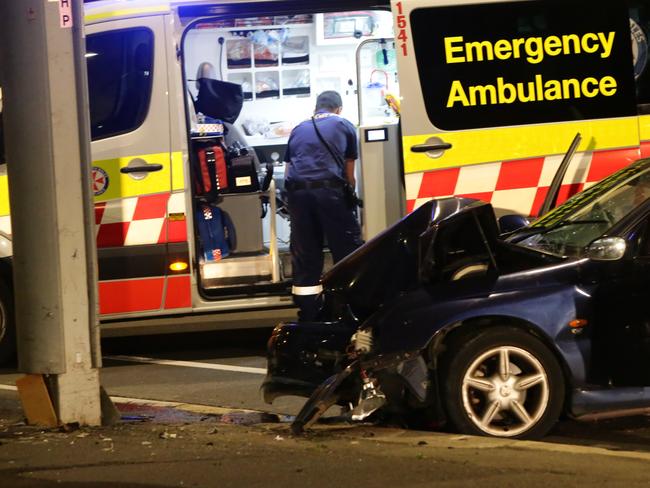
(329, 100)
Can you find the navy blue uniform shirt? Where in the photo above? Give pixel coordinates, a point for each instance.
(308, 157)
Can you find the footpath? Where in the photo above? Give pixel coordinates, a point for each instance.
(165, 447)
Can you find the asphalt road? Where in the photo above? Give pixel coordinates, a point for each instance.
(191, 375)
(226, 369)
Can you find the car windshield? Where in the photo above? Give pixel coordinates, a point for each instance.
(571, 227)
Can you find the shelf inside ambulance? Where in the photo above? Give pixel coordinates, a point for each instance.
(249, 258)
(238, 269)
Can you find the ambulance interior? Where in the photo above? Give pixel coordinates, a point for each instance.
(281, 64)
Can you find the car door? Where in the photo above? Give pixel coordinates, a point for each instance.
(128, 91)
(622, 315)
(477, 116)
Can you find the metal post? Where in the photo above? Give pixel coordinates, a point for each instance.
(47, 146)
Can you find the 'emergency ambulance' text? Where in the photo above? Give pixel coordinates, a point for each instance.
(533, 50)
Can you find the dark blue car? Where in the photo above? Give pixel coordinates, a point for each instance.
(442, 319)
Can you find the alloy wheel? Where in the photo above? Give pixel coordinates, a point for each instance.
(505, 391)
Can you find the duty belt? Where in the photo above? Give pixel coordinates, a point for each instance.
(309, 184)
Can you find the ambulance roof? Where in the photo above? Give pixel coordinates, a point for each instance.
(103, 10)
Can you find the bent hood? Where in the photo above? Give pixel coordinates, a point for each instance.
(429, 245)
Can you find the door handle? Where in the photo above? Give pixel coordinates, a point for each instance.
(148, 168)
(422, 148)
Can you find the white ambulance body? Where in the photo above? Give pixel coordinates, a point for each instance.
(491, 95)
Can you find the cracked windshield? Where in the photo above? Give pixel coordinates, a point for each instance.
(570, 235)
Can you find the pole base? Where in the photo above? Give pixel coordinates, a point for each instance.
(36, 401)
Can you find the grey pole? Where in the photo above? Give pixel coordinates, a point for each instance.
(47, 146)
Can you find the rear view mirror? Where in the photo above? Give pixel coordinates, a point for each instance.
(607, 249)
(511, 223)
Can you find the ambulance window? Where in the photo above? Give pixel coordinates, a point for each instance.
(120, 73)
(517, 63)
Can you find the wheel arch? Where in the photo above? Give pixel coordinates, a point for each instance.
(444, 339)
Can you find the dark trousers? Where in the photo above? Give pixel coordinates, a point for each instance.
(317, 215)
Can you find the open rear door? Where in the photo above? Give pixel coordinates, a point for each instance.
(382, 176)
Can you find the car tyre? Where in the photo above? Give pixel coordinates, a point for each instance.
(7, 325)
(502, 382)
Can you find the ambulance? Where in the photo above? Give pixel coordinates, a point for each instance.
(450, 97)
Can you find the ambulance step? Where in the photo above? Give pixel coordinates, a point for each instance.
(236, 270)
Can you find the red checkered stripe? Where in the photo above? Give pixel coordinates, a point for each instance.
(146, 294)
(141, 220)
(518, 186)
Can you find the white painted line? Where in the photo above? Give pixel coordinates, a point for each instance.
(188, 364)
(190, 407)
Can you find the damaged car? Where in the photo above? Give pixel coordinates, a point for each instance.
(442, 320)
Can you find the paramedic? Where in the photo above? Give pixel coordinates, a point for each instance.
(320, 163)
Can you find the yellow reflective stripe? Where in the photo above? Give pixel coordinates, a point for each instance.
(4, 195)
(644, 127)
(126, 12)
(503, 144)
(178, 172)
(122, 185)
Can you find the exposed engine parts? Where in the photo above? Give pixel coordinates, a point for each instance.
(362, 341)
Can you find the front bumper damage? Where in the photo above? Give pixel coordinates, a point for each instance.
(320, 361)
(303, 355)
(360, 385)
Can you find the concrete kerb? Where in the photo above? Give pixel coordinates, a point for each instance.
(370, 433)
(166, 412)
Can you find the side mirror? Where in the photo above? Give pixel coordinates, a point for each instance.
(511, 223)
(607, 249)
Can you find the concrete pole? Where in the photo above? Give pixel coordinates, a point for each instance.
(47, 146)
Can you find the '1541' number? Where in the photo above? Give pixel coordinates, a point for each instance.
(401, 28)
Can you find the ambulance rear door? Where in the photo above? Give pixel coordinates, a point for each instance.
(381, 171)
(128, 87)
(493, 94)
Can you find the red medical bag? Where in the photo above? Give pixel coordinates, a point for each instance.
(211, 171)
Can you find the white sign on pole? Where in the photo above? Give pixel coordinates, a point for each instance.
(65, 13)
